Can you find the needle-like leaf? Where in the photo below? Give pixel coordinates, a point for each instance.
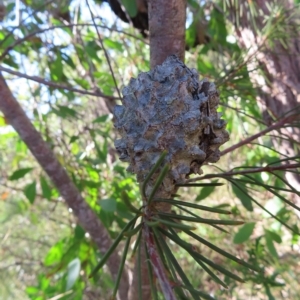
(193, 205)
(112, 248)
(152, 171)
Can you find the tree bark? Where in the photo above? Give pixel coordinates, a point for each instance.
(167, 37)
(17, 118)
(167, 29)
(279, 87)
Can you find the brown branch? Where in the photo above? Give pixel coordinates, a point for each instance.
(248, 171)
(248, 140)
(28, 36)
(56, 85)
(157, 265)
(17, 118)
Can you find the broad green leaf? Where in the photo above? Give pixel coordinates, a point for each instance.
(46, 189)
(66, 58)
(102, 119)
(30, 191)
(240, 191)
(32, 290)
(91, 49)
(113, 45)
(55, 253)
(270, 245)
(274, 236)
(244, 233)
(108, 204)
(205, 192)
(67, 111)
(269, 294)
(79, 232)
(73, 273)
(83, 83)
(73, 139)
(130, 7)
(56, 68)
(190, 35)
(2, 121)
(19, 173)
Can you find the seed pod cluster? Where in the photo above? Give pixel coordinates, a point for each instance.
(168, 108)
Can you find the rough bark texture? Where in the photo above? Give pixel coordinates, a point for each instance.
(169, 109)
(279, 88)
(167, 37)
(167, 29)
(17, 118)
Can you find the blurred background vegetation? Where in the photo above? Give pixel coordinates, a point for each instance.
(54, 60)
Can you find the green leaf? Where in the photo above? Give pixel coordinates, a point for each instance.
(130, 7)
(205, 192)
(66, 58)
(108, 204)
(102, 119)
(30, 191)
(73, 273)
(79, 232)
(91, 49)
(274, 236)
(46, 189)
(112, 248)
(3, 121)
(113, 44)
(55, 253)
(73, 139)
(179, 204)
(270, 245)
(244, 233)
(56, 68)
(32, 290)
(67, 111)
(19, 173)
(83, 83)
(240, 191)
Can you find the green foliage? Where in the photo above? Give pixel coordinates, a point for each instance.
(244, 233)
(46, 255)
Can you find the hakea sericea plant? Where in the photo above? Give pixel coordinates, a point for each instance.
(170, 128)
(169, 109)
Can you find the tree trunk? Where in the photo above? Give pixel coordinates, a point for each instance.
(279, 87)
(17, 118)
(167, 37)
(167, 29)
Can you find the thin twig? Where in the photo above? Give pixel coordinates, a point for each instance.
(25, 38)
(104, 50)
(248, 171)
(277, 125)
(87, 218)
(157, 265)
(56, 85)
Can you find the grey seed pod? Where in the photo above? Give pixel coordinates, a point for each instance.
(168, 108)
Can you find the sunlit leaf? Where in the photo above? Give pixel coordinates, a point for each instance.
(73, 273)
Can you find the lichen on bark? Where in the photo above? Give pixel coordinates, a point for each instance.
(168, 108)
